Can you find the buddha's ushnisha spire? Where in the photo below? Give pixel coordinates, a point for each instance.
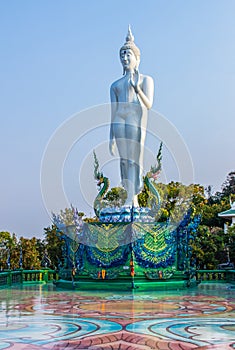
(129, 44)
(130, 36)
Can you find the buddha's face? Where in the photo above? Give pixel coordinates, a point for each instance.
(128, 60)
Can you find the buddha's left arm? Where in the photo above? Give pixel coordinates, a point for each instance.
(146, 92)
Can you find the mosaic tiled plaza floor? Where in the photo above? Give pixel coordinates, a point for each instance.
(40, 317)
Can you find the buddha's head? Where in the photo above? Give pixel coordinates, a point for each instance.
(130, 49)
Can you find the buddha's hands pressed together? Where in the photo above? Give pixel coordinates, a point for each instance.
(135, 80)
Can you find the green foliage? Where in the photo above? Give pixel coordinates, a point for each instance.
(11, 247)
(30, 254)
(115, 197)
(94, 219)
(210, 212)
(212, 246)
(145, 197)
(67, 216)
(228, 187)
(208, 247)
(53, 245)
(177, 198)
(40, 246)
(4, 236)
(8, 245)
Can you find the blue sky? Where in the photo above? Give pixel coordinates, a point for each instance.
(60, 57)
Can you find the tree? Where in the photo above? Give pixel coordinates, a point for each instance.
(30, 254)
(218, 202)
(9, 251)
(67, 216)
(53, 245)
(211, 210)
(144, 196)
(208, 247)
(177, 199)
(115, 197)
(228, 187)
(41, 247)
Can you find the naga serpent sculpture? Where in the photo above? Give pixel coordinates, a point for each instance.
(103, 184)
(151, 177)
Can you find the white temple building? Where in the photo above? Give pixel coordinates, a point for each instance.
(228, 214)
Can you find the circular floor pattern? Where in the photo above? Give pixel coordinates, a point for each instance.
(39, 318)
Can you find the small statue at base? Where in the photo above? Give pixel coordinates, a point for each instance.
(131, 97)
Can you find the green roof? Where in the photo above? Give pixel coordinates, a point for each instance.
(227, 213)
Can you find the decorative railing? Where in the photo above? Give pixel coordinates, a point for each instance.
(216, 275)
(7, 278)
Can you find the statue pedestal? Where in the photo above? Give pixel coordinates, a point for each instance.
(126, 214)
(114, 254)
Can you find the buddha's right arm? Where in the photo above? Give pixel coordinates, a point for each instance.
(113, 99)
